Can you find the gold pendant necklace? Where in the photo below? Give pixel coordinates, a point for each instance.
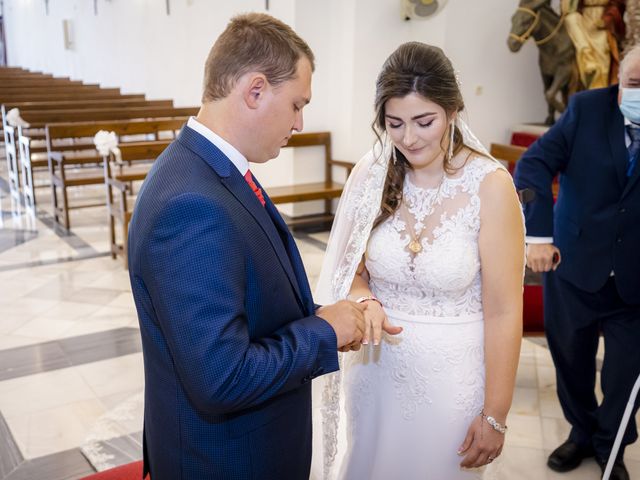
(415, 246)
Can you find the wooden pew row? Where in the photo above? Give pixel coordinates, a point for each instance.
(5, 69)
(77, 104)
(62, 87)
(41, 118)
(507, 153)
(120, 196)
(9, 74)
(86, 103)
(326, 190)
(63, 164)
(105, 93)
(510, 154)
(33, 82)
(33, 156)
(136, 161)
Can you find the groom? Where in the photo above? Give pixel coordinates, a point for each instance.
(231, 336)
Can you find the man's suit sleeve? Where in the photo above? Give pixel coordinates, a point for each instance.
(539, 165)
(195, 273)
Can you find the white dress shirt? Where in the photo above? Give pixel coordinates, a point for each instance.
(239, 160)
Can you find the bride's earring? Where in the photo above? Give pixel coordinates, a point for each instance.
(393, 154)
(452, 129)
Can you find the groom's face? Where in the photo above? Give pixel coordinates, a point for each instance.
(281, 111)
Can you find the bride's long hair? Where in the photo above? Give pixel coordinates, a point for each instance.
(423, 69)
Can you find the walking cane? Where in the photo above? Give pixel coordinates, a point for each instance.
(621, 429)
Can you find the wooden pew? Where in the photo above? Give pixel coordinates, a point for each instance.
(117, 188)
(61, 159)
(38, 82)
(6, 70)
(511, 154)
(92, 103)
(507, 153)
(136, 158)
(39, 118)
(105, 94)
(63, 87)
(326, 189)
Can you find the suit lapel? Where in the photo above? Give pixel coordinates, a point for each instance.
(292, 252)
(239, 188)
(234, 182)
(617, 139)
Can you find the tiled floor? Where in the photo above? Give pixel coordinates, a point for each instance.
(71, 375)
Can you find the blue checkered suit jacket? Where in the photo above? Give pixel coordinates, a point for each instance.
(230, 340)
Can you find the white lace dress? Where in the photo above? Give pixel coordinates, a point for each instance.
(410, 400)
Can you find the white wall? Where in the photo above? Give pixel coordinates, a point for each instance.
(134, 45)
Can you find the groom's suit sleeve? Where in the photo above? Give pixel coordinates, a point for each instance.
(195, 272)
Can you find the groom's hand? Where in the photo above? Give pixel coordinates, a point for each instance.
(347, 320)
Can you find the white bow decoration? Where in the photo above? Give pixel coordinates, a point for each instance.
(107, 142)
(15, 120)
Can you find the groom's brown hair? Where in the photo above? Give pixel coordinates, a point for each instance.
(253, 42)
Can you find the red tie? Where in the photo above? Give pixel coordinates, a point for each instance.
(249, 178)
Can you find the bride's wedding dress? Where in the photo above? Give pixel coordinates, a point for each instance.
(409, 401)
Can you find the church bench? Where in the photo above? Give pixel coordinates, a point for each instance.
(326, 189)
(66, 96)
(119, 190)
(53, 88)
(64, 159)
(136, 158)
(38, 82)
(86, 103)
(74, 104)
(39, 118)
(509, 154)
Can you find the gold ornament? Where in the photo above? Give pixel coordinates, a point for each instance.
(415, 246)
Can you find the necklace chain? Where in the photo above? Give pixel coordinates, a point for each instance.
(415, 245)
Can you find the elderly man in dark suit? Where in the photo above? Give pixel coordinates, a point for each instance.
(589, 246)
(231, 336)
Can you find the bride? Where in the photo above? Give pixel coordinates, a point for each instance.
(429, 235)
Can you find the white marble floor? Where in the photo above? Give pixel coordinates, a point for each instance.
(57, 291)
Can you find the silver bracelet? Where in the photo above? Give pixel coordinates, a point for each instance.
(494, 423)
(369, 298)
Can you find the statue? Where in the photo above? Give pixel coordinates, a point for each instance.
(536, 19)
(584, 23)
(613, 19)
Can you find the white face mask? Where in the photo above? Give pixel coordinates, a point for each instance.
(630, 104)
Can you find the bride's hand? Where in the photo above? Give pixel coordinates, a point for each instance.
(375, 322)
(482, 444)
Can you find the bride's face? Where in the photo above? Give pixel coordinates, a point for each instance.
(416, 127)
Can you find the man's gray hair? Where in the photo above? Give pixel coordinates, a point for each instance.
(632, 53)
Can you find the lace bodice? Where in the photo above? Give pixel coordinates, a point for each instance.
(443, 279)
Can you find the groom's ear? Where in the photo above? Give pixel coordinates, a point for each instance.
(256, 87)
